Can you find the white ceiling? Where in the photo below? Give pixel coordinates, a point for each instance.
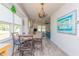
(32, 9)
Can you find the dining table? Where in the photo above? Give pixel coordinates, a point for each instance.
(26, 37)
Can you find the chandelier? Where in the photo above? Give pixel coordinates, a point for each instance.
(42, 13)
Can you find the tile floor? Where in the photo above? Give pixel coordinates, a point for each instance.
(49, 49)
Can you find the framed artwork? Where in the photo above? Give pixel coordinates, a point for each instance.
(67, 23)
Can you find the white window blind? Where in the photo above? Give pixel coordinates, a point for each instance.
(17, 20)
(5, 14)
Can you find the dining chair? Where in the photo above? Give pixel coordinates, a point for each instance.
(27, 47)
(37, 40)
(16, 42)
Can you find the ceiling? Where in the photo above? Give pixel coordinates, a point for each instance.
(32, 9)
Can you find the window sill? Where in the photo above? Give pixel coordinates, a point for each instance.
(5, 39)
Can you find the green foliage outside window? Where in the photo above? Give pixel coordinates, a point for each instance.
(4, 26)
(17, 28)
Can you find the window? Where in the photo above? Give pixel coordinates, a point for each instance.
(17, 28)
(17, 24)
(29, 24)
(41, 28)
(6, 22)
(4, 30)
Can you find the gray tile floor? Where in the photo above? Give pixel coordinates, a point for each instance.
(49, 49)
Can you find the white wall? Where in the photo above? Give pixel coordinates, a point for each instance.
(68, 43)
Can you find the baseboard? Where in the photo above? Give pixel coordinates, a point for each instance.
(60, 48)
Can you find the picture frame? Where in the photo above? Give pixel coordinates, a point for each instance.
(67, 23)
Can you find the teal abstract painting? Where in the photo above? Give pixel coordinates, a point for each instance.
(67, 23)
